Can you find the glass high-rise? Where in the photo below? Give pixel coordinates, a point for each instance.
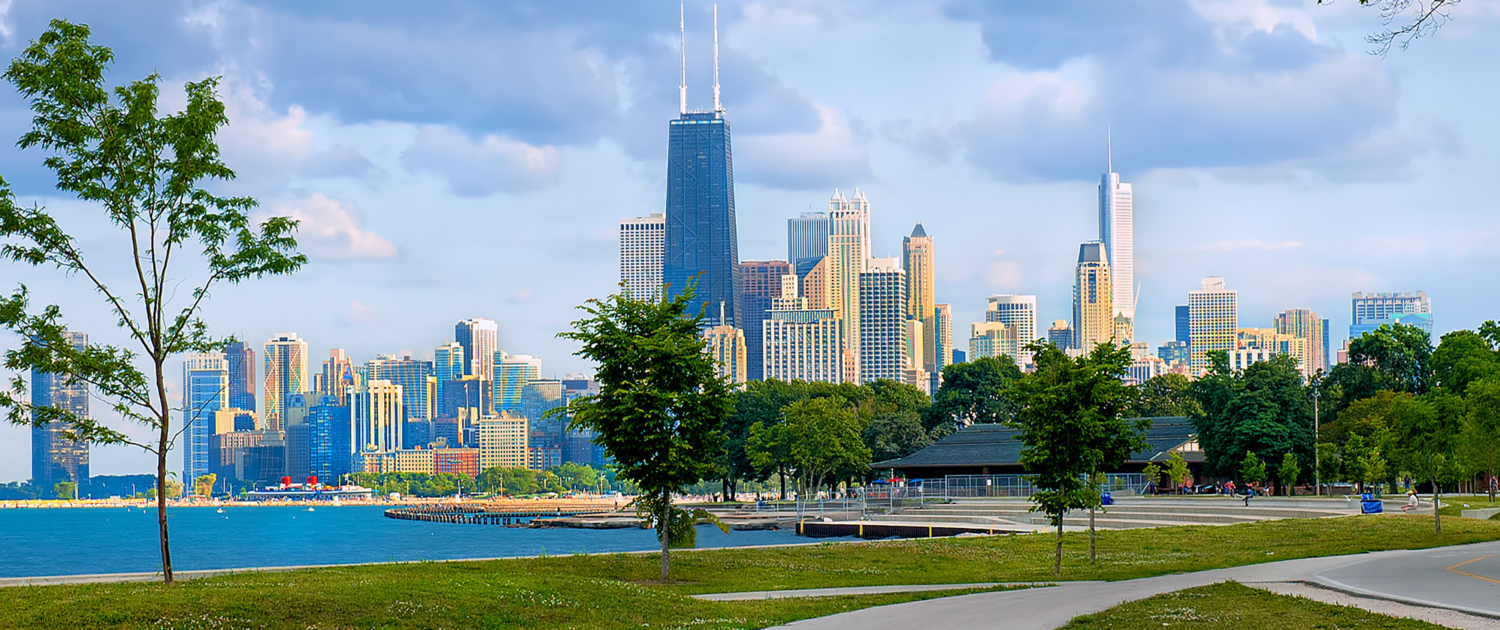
(480, 339)
(1117, 232)
(54, 457)
(806, 237)
(447, 365)
(415, 376)
(205, 391)
(330, 439)
(286, 374)
(512, 373)
(241, 363)
(1183, 326)
(642, 250)
(702, 243)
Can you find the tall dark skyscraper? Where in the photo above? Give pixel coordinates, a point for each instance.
(701, 238)
(1182, 324)
(54, 457)
(241, 360)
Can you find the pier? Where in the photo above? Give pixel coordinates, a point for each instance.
(482, 514)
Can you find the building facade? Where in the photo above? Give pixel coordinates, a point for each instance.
(54, 457)
(992, 339)
(447, 365)
(1019, 313)
(1117, 233)
(807, 237)
(242, 376)
(1304, 324)
(801, 343)
(378, 417)
(726, 344)
(503, 442)
(882, 325)
(760, 285)
(205, 392)
(1060, 334)
(480, 339)
(286, 374)
(642, 250)
(512, 373)
(1213, 313)
(331, 439)
(1372, 310)
(917, 258)
(1093, 295)
(702, 241)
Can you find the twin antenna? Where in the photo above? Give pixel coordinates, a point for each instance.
(682, 50)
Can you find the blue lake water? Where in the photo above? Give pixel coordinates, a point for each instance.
(81, 541)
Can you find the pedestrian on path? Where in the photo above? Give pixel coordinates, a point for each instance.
(1249, 492)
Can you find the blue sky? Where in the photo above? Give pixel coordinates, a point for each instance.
(471, 159)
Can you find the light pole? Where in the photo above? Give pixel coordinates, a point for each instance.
(1317, 474)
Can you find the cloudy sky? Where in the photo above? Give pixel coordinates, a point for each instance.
(471, 159)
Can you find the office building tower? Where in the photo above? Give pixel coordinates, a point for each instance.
(1372, 310)
(917, 260)
(54, 457)
(1093, 310)
(726, 344)
(1253, 345)
(1213, 314)
(330, 436)
(760, 283)
(257, 457)
(1183, 331)
(807, 237)
(993, 339)
(801, 343)
(912, 373)
(377, 417)
(468, 396)
(1060, 334)
(1124, 330)
(1117, 233)
(539, 397)
(1304, 324)
(1175, 353)
(503, 442)
(299, 436)
(512, 373)
(1018, 312)
(205, 392)
(417, 433)
(882, 325)
(642, 250)
(812, 276)
(480, 339)
(702, 243)
(1144, 369)
(340, 378)
(943, 337)
(848, 257)
(242, 375)
(447, 365)
(415, 376)
(286, 374)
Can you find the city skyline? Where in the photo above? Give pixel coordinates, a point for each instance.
(1251, 211)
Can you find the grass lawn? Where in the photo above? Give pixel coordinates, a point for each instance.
(618, 590)
(1232, 605)
(1453, 505)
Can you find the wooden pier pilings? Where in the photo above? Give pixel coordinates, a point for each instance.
(488, 515)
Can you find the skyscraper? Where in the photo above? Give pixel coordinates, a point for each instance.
(760, 284)
(943, 337)
(848, 256)
(1018, 312)
(377, 417)
(993, 339)
(642, 248)
(54, 457)
(286, 374)
(1372, 310)
(241, 362)
(1060, 334)
(702, 243)
(1213, 314)
(882, 325)
(1093, 311)
(339, 377)
(727, 345)
(801, 343)
(415, 376)
(1304, 324)
(447, 365)
(917, 259)
(205, 391)
(1183, 333)
(806, 237)
(480, 339)
(512, 373)
(330, 432)
(1117, 232)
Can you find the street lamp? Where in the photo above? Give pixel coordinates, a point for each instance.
(1317, 473)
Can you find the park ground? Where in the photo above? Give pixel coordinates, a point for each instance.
(1231, 605)
(621, 590)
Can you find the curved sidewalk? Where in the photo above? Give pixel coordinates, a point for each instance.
(1421, 578)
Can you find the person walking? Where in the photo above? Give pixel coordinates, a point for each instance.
(1249, 492)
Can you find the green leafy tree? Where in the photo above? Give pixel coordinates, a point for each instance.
(1403, 353)
(974, 393)
(110, 148)
(1373, 469)
(1425, 440)
(1330, 462)
(1152, 473)
(1072, 427)
(823, 437)
(890, 434)
(203, 485)
(65, 490)
(1288, 472)
(1165, 395)
(1481, 437)
(1252, 469)
(661, 405)
(1177, 470)
(1264, 408)
(1348, 382)
(769, 448)
(1461, 358)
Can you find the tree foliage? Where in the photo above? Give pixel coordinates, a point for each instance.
(974, 393)
(1165, 395)
(112, 149)
(1481, 436)
(1461, 358)
(1264, 408)
(1425, 439)
(1402, 353)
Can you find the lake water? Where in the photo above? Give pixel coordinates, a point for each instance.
(81, 541)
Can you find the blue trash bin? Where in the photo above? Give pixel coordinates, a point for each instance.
(1105, 499)
(1368, 504)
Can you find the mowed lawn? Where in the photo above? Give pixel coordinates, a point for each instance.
(1231, 605)
(620, 590)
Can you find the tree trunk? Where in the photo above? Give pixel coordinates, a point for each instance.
(665, 523)
(1437, 494)
(782, 476)
(161, 505)
(1057, 554)
(1091, 536)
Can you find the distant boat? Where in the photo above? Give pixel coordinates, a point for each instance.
(309, 509)
(221, 510)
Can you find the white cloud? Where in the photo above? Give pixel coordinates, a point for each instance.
(357, 314)
(269, 149)
(831, 155)
(1253, 245)
(328, 228)
(479, 169)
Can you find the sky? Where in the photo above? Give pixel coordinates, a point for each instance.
(450, 160)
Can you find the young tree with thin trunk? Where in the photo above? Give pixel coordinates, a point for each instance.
(661, 405)
(1425, 437)
(1482, 428)
(110, 149)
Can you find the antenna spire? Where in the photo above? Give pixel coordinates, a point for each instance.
(682, 50)
(1109, 140)
(717, 107)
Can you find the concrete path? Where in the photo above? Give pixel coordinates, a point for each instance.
(858, 590)
(1420, 578)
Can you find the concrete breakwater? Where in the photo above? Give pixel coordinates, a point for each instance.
(493, 514)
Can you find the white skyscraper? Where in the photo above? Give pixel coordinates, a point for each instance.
(1213, 321)
(1019, 313)
(848, 257)
(642, 250)
(1117, 232)
(882, 325)
(480, 339)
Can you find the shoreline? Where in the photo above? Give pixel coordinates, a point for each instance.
(415, 501)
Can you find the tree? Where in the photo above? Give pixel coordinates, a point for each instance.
(1403, 353)
(109, 148)
(1481, 437)
(1177, 470)
(1462, 357)
(1152, 474)
(203, 486)
(1428, 17)
(769, 449)
(1165, 395)
(1264, 408)
(893, 434)
(1252, 469)
(973, 393)
(661, 405)
(1373, 469)
(1288, 472)
(1072, 427)
(65, 490)
(1425, 440)
(1330, 462)
(823, 437)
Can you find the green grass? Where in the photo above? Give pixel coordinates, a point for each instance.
(1454, 505)
(1231, 605)
(619, 591)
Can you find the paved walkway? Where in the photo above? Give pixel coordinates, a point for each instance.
(1464, 578)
